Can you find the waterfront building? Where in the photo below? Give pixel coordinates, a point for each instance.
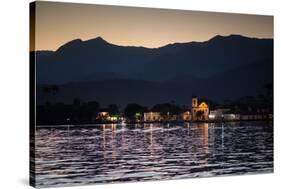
(105, 116)
(200, 110)
(186, 116)
(217, 114)
(152, 116)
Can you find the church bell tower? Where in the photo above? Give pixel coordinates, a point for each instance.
(194, 102)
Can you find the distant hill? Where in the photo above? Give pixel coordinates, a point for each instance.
(229, 85)
(224, 67)
(76, 60)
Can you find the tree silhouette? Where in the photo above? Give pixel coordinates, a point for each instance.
(132, 109)
(167, 109)
(113, 109)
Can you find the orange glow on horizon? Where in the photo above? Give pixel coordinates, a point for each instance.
(58, 23)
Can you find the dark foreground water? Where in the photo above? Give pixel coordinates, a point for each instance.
(114, 153)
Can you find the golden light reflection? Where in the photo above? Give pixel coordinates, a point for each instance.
(149, 126)
(151, 135)
(204, 127)
(151, 147)
(113, 141)
(201, 131)
(222, 135)
(104, 141)
(206, 137)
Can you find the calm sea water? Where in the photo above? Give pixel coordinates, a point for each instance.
(114, 153)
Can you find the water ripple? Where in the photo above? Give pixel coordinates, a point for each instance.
(115, 153)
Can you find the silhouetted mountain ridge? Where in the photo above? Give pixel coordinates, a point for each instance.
(222, 67)
(77, 58)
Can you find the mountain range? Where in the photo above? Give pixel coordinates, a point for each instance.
(224, 67)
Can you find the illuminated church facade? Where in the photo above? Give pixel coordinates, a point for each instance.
(199, 110)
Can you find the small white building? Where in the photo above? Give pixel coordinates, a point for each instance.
(218, 113)
(152, 116)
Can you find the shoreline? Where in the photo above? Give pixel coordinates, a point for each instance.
(163, 122)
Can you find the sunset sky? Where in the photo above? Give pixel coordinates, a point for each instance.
(58, 23)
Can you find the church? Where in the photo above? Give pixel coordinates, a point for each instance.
(199, 110)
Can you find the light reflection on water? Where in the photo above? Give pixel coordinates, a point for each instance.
(114, 153)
